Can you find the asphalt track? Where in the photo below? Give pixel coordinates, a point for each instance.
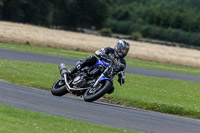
(25, 56)
(95, 112)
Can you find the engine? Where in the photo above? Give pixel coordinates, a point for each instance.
(79, 81)
(84, 80)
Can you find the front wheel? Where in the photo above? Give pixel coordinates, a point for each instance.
(93, 94)
(59, 88)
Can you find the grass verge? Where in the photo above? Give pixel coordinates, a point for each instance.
(157, 94)
(81, 55)
(160, 95)
(21, 121)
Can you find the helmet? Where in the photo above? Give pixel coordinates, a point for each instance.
(121, 48)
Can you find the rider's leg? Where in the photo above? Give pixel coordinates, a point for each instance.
(89, 61)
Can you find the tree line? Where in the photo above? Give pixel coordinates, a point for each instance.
(177, 20)
(66, 13)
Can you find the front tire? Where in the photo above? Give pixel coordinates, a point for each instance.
(59, 88)
(93, 94)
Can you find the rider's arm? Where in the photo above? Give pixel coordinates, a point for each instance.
(103, 51)
(121, 74)
(121, 77)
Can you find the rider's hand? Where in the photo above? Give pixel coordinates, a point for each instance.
(105, 57)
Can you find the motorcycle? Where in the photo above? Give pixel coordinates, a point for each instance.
(90, 82)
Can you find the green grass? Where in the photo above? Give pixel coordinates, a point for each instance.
(37, 75)
(14, 120)
(45, 50)
(161, 95)
(82, 55)
(157, 94)
(163, 67)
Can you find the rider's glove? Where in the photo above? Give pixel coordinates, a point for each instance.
(119, 67)
(121, 78)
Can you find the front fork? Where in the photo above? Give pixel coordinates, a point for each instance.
(102, 75)
(95, 84)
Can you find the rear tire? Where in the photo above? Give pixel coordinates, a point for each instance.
(105, 86)
(59, 88)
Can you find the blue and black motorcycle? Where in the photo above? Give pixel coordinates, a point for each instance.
(91, 82)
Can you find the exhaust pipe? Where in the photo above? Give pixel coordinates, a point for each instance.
(63, 69)
(63, 72)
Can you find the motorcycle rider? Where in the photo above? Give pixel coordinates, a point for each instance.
(117, 54)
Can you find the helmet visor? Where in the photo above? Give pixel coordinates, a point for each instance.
(124, 51)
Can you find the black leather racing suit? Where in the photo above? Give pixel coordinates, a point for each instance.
(121, 63)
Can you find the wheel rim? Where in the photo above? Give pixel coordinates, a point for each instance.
(59, 84)
(92, 91)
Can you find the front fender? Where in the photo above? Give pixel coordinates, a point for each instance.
(105, 78)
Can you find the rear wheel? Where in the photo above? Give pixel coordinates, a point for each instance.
(59, 88)
(93, 94)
